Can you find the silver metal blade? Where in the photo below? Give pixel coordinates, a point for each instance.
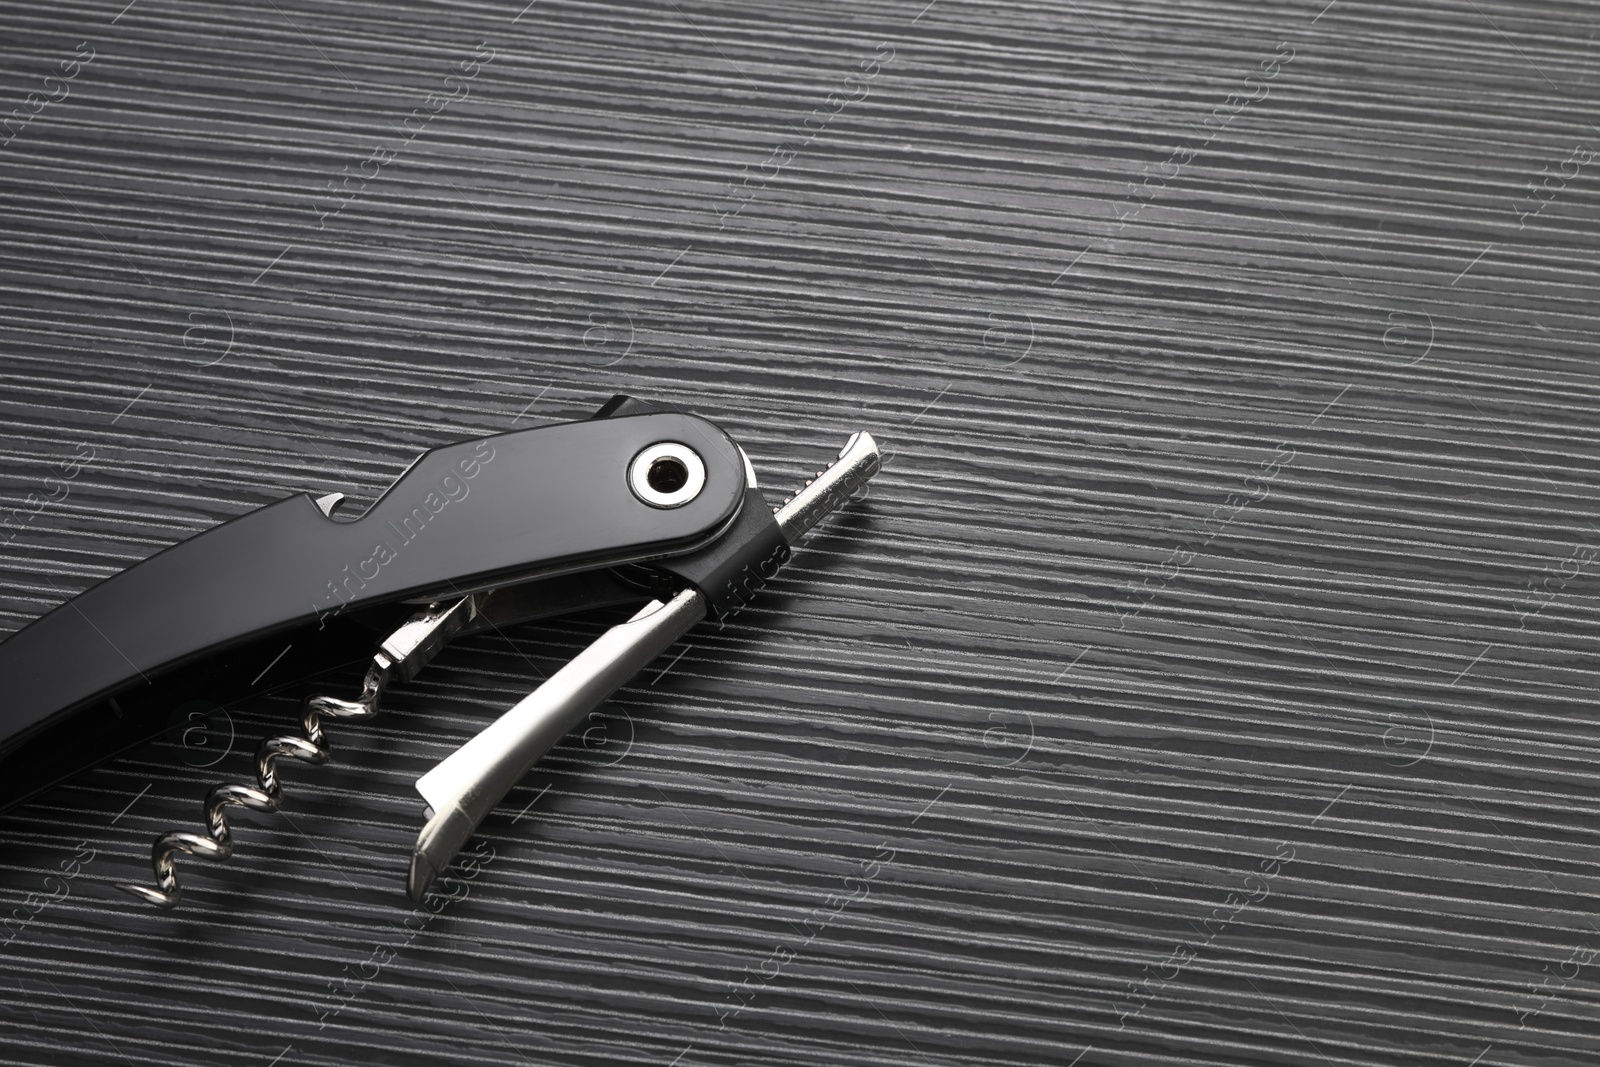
(858, 461)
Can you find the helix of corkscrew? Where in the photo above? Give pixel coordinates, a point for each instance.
(401, 656)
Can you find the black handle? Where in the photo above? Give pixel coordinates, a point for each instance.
(468, 516)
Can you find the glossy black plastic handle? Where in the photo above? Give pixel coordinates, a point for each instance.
(465, 517)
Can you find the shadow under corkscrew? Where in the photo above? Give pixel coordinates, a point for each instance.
(405, 652)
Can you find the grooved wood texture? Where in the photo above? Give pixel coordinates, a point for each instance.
(1208, 679)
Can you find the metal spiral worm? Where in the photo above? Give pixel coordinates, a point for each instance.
(403, 654)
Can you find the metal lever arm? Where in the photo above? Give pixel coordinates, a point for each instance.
(471, 782)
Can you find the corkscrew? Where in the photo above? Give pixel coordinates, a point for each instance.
(639, 504)
(406, 651)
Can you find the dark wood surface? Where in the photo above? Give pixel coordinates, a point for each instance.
(1245, 433)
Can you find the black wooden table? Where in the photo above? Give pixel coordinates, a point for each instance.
(1208, 679)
